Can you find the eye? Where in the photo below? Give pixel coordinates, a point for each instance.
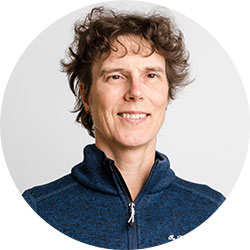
(152, 75)
(115, 77)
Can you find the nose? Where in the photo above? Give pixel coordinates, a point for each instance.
(134, 92)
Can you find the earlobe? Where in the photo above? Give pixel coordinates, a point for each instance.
(82, 92)
(168, 100)
(83, 98)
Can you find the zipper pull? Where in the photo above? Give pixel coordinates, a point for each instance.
(132, 214)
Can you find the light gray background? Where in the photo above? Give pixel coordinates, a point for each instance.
(206, 130)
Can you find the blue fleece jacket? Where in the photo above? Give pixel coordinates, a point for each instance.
(93, 205)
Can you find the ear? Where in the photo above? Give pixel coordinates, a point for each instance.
(168, 100)
(82, 92)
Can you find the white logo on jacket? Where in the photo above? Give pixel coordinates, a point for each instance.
(172, 237)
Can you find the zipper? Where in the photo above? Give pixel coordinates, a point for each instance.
(131, 220)
(131, 206)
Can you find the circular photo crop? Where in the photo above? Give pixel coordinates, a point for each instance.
(125, 125)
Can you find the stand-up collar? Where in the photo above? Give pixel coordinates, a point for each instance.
(94, 172)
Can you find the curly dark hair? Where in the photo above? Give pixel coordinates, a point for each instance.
(93, 40)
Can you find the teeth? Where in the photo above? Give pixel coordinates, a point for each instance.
(133, 116)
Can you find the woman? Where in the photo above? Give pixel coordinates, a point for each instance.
(124, 69)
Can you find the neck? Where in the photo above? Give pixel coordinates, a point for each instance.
(134, 163)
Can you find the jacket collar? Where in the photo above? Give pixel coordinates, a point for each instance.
(94, 172)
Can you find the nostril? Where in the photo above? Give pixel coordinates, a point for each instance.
(134, 98)
(134, 94)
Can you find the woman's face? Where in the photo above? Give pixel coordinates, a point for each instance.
(128, 95)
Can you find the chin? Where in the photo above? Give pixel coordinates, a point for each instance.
(134, 141)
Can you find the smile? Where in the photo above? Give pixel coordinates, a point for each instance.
(133, 116)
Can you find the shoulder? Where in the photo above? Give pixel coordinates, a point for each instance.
(54, 188)
(197, 191)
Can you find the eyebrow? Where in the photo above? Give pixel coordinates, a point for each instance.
(158, 69)
(107, 71)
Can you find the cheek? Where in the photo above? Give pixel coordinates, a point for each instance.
(106, 97)
(160, 98)
(101, 105)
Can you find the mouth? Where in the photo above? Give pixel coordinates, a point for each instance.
(133, 115)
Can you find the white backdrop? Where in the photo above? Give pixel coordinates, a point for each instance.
(206, 130)
(220, 236)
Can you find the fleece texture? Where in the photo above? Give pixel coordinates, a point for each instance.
(92, 204)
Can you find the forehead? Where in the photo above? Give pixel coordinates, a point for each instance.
(127, 49)
(130, 44)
